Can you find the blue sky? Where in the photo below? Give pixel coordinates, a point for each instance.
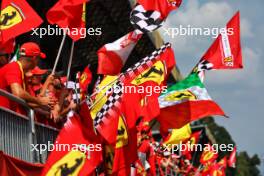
(238, 92)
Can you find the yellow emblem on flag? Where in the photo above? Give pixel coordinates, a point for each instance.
(109, 158)
(70, 164)
(83, 78)
(180, 95)
(10, 16)
(84, 13)
(122, 135)
(217, 173)
(156, 73)
(207, 155)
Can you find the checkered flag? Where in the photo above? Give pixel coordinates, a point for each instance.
(145, 20)
(201, 67)
(144, 63)
(111, 105)
(77, 89)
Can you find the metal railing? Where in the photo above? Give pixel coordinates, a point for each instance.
(18, 133)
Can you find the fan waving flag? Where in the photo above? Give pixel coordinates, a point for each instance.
(16, 18)
(70, 15)
(225, 52)
(113, 56)
(186, 101)
(148, 15)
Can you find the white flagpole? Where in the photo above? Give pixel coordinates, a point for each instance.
(70, 63)
(58, 55)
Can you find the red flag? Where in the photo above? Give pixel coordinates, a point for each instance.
(7, 47)
(209, 155)
(225, 52)
(232, 159)
(15, 167)
(148, 15)
(149, 72)
(17, 17)
(85, 79)
(69, 14)
(192, 141)
(113, 56)
(82, 154)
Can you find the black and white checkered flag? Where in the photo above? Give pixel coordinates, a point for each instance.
(145, 21)
(111, 104)
(144, 63)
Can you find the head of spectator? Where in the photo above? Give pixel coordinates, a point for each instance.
(3, 58)
(30, 54)
(37, 75)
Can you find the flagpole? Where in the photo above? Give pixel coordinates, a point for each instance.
(70, 63)
(58, 55)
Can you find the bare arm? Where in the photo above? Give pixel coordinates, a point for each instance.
(45, 85)
(18, 91)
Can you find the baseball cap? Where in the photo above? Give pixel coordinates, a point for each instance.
(38, 71)
(31, 49)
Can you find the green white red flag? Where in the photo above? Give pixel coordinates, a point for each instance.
(186, 101)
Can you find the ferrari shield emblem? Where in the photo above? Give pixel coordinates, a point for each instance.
(10, 16)
(70, 164)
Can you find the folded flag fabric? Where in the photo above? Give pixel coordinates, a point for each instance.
(148, 15)
(79, 156)
(179, 135)
(70, 15)
(16, 18)
(186, 101)
(113, 56)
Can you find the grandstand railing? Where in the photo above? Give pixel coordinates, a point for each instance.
(19, 133)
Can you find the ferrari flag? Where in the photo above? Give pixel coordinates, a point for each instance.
(16, 18)
(70, 15)
(186, 101)
(225, 52)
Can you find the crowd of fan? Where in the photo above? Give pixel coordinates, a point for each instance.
(43, 91)
(156, 159)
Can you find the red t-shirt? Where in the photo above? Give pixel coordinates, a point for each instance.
(10, 74)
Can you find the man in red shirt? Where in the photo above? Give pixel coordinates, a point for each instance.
(12, 77)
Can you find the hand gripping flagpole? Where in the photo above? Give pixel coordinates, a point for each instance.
(58, 55)
(70, 63)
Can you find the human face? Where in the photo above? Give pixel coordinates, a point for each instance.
(36, 79)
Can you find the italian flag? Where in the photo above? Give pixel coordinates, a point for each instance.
(186, 101)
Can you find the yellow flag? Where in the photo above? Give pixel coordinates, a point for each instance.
(178, 135)
(101, 96)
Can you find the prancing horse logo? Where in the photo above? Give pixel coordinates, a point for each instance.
(10, 16)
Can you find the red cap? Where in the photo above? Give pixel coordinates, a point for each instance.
(38, 71)
(31, 49)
